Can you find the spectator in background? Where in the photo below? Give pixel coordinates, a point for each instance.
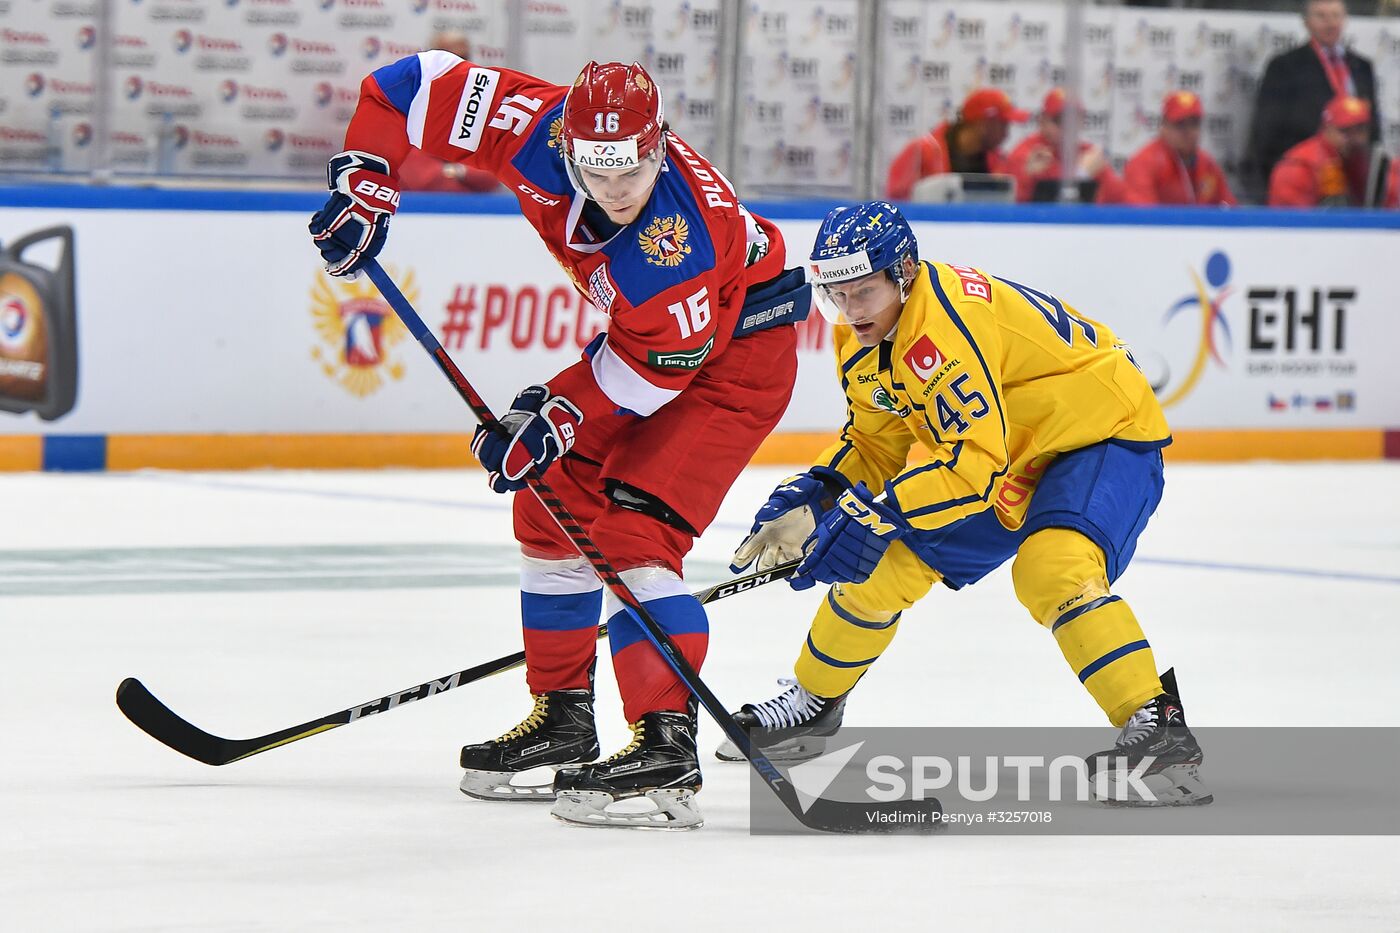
(1037, 157)
(972, 144)
(1313, 173)
(1298, 84)
(1173, 168)
(422, 172)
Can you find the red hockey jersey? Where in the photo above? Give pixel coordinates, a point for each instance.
(672, 281)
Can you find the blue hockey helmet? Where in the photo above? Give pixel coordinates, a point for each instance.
(854, 242)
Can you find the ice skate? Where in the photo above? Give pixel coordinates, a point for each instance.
(793, 726)
(1158, 731)
(558, 731)
(650, 784)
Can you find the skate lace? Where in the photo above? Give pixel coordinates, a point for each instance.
(1139, 726)
(531, 722)
(788, 708)
(638, 733)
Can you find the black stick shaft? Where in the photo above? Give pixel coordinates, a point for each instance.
(157, 720)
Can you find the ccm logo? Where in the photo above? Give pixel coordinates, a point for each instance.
(378, 192)
(536, 196)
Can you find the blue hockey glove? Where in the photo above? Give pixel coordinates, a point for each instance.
(351, 229)
(783, 524)
(851, 539)
(535, 432)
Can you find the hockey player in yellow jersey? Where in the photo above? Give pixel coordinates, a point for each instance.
(1043, 443)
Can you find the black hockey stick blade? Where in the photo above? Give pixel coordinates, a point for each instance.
(161, 723)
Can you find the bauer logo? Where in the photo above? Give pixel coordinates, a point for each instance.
(358, 333)
(478, 97)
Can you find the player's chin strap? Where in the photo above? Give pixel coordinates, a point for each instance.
(826, 815)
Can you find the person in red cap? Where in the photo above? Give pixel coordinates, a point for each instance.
(642, 436)
(971, 144)
(1037, 157)
(1173, 168)
(1313, 173)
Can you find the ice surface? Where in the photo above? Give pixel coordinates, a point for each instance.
(253, 601)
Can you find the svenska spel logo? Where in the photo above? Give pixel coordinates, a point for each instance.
(358, 332)
(1193, 331)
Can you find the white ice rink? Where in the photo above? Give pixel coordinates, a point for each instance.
(254, 601)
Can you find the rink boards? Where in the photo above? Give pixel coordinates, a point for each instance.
(208, 338)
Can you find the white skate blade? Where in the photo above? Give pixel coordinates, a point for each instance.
(501, 785)
(1173, 786)
(798, 749)
(655, 809)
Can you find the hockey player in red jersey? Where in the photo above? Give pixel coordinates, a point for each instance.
(643, 436)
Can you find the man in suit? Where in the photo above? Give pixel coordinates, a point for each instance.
(1298, 84)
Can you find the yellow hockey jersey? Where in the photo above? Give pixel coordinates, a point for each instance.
(994, 378)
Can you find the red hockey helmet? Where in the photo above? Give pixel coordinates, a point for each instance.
(613, 120)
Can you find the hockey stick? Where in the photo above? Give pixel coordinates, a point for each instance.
(816, 813)
(161, 723)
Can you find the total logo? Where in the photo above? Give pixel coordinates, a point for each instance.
(182, 40)
(87, 37)
(82, 134)
(13, 319)
(34, 84)
(277, 44)
(273, 139)
(324, 93)
(370, 47)
(132, 87)
(228, 91)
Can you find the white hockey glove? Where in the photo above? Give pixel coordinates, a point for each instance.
(783, 524)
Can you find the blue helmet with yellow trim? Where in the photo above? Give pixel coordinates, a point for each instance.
(854, 242)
